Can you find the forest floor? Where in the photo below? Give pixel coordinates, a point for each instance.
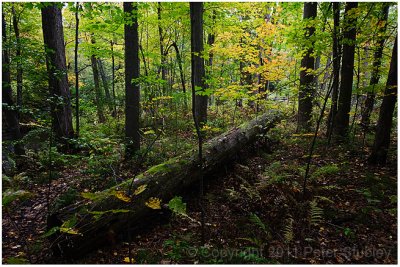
(254, 212)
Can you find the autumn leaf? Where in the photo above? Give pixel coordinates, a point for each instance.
(127, 260)
(70, 231)
(121, 195)
(140, 189)
(154, 203)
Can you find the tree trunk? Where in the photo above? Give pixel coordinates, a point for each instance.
(114, 113)
(19, 57)
(306, 90)
(210, 42)
(342, 118)
(336, 58)
(382, 136)
(53, 36)
(105, 84)
(181, 72)
(162, 52)
(132, 90)
(96, 79)
(198, 72)
(10, 122)
(375, 75)
(77, 115)
(163, 181)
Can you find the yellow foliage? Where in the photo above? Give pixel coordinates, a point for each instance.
(140, 189)
(69, 231)
(121, 195)
(127, 260)
(154, 203)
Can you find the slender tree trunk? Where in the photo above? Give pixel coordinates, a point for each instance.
(132, 71)
(77, 115)
(19, 57)
(336, 54)
(382, 136)
(346, 86)
(10, 120)
(306, 90)
(198, 72)
(114, 113)
(181, 72)
(162, 52)
(53, 36)
(375, 75)
(210, 42)
(96, 79)
(105, 84)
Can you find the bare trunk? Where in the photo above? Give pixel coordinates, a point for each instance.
(375, 75)
(382, 136)
(198, 72)
(57, 71)
(336, 58)
(114, 113)
(19, 58)
(96, 79)
(132, 89)
(306, 90)
(105, 84)
(77, 115)
(10, 120)
(162, 52)
(342, 117)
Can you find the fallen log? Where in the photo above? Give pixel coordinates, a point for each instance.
(95, 220)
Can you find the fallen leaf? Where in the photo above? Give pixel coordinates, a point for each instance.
(154, 203)
(121, 195)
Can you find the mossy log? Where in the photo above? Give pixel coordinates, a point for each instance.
(100, 217)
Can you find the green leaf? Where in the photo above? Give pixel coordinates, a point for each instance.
(177, 206)
(17, 260)
(10, 196)
(51, 231)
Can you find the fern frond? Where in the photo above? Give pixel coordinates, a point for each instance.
(315, 213)
(288, 229)
(257, 221)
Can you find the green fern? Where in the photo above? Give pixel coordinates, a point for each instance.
(315, 213)
(288, 229)
(257, 221)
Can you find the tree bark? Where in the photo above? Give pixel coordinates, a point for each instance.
(114, 113)
(19, 57)
(210, 42)
(375, 75)
(96, 79)
(105, 84)
(336, 58)
(132, 71)
(382, 136)
(77, 115)
(10, 122)
(53, 36)
(162, 52)
(342, 117)
(181, 72)
(163, 181)
(306, 90)
(198, 71)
